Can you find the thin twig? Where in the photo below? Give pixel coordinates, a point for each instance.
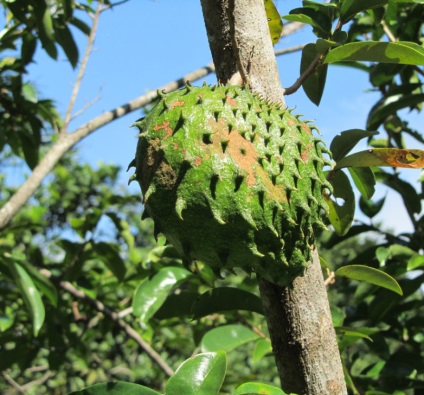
(288, 50)
(310, 70)
(13, 383)
(113, 316)
(388, 32)
(331, 279)
(81, 71)
(40, 381)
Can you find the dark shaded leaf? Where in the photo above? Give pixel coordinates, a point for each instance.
(315, 83)
(226, 299)
(345, 141)
(177, 305)
(109, 255)
(341, 215)
(66, 41)
(350, 8)
(371, 208)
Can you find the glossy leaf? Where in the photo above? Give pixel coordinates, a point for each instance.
(30, 295)
(116, 388)
(416, 262)
(350, 8)
(341, 215)
(225, 299)
(200, 375)
(314, 85)
(376, 51)
(343, 143)
(274, 21)
(262, 348)
(393, 157)
(364, 179)
(258, 389)
(227, 337)
(369, 275)
(152, 293)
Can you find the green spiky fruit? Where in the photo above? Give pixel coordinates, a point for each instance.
(232, 180)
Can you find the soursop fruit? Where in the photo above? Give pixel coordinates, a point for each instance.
(232, 180)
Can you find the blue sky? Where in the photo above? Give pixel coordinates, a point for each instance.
(144, 44)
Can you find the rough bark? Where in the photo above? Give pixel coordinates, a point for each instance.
(299, 318)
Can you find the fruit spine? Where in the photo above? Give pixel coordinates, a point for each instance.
(232, 180)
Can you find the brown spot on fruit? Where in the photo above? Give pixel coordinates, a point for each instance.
(178, 103)
(306, 129)
(165, 126)
(198, 161)
(305, 153)
(175, 145)
(231, 101)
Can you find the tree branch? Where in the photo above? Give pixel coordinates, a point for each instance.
(100, 307)
(82, 68)
(66, 142)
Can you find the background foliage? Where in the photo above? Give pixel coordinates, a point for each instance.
(87, 293)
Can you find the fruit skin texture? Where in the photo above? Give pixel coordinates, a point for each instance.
(232, 180)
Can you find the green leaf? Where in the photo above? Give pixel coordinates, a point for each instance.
(109, 255)
(116, 388)
(353, 332)
(370, 275)
(258, 389)
(6, 319)
(364, 179)
(29, 44)
(262, 348)
(227, 337)
(225, 299)
(66, 41)
(350, 8)
(274, 21)
(29, 92)
(177, 305)
(151, 294)
(341, 215)
(371, 208)
(30, 294)
(201, 375)
(318, 19)
(400, 52)
(416, 262)
(81, 25)
(314, 85)
(343, 143)
(392, 157)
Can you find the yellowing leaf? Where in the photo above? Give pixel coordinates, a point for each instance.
(393, 157)
(274, 21)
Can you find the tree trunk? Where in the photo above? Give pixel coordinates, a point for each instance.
(299, 319)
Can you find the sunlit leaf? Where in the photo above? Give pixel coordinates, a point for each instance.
(400, 52)
(346, 331)
(274, 21)
(314, 85)
(152, 293)
(227, 337)
(341, 214)
(116, 388)
(200, 375)
(224, 299)
(350, 8)
(393, 157)
(416, 262)
(262, 348)
(30, 295)
(364, 179)
(369, 275)
(258, 389)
